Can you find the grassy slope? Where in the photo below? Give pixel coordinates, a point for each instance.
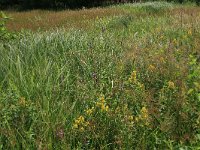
(129, 82)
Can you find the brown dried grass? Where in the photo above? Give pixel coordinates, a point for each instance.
(44, 19)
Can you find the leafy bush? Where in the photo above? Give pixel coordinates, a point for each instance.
(3, 31)
(5, 35)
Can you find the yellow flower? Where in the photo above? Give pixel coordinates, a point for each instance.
(136, 119)
(98, 104)
(171, 85)
(81, 118)
(130, 118)
(80, 123)
(190, 32)
(82, 129)
(140, 85)
(102, 104)
(102, 99)
(87, 123)
(151, 68)
(144, 113)
(77, 121)
(175, 41)
(144, 110)
(75, 126)
(90, 111)
(145, 116)
(107, 108)
(162, 59)
(133, 77)
(104, 108)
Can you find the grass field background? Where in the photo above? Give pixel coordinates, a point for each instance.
(120, 77)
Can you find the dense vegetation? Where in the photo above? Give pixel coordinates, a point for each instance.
(132, 81)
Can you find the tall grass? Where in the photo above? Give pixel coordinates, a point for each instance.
(131, 82)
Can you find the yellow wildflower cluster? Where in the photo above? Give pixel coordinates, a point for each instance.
(102, 104)
(190, 31)
(144, 113)
(133, 77)
(162, 60)
(144, 116)
(89, 111)
(171, 85)
(131, 119)
(80, 123)
(151, 68)
(175, 41)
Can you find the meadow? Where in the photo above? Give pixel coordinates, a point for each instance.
(121, 77)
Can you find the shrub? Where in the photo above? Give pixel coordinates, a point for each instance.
(4, 33)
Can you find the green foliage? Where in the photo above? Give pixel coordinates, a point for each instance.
(17, 116)
(128, 83)
(4, 34)
(120, 22)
